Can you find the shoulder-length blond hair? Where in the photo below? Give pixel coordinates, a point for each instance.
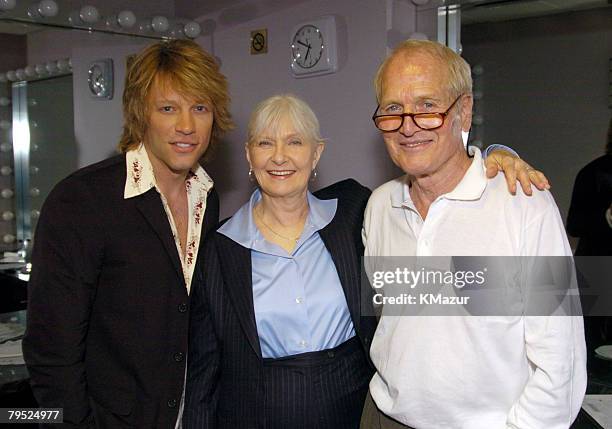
(189, 70)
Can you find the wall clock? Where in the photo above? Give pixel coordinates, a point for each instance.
(314, 47)
(100, 79)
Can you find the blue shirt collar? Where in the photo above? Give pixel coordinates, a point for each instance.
(241, 227)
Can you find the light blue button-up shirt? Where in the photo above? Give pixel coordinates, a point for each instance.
(298, 298)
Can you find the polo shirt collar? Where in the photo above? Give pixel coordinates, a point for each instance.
(470, 188)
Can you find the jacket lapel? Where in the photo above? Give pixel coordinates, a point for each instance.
(150, 205)
(338, 242)
(237, 274)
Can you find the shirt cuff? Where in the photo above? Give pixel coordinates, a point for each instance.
(609, 216)
(493, 147)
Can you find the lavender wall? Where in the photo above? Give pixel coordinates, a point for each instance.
(343, 101)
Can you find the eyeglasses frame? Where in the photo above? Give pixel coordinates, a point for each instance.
(412, 115)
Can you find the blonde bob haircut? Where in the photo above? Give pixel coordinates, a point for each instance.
(269, 114)
(458, 70)
(183, 66)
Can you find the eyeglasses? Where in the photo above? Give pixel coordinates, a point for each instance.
(425, 121)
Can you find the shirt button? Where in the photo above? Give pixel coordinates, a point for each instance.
(182, 307)
(331, 354)
(171, 403)
(298, 300)
(178, 357)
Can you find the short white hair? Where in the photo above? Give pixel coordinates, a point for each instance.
(268, 116)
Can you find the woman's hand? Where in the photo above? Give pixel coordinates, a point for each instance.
(515, 168)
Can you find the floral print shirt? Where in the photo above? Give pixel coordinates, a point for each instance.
(140, 179)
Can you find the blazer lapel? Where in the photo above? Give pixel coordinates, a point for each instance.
(237, 273)
(150, 205)
(338, 243)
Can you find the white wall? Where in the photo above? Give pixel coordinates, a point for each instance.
(97, 123)
(343, 101)
(546, 84)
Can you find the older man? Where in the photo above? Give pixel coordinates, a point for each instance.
(115, 251)
(460, 372)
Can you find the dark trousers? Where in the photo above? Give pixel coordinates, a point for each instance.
(317, 390)
(373, 418)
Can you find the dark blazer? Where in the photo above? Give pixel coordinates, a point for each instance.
(591, 198)
(225, 386)
(108, 311)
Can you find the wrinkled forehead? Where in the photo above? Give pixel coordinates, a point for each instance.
(413, 70)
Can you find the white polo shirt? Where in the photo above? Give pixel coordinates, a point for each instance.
(474, 372)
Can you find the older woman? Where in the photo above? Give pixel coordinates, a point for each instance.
(276, 337)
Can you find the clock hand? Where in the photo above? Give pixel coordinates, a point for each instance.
(303, 44)
(307, 52)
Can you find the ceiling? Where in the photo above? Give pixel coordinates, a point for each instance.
(235, 11)
(475, 11)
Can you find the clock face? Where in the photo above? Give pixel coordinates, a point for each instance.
(307, 46)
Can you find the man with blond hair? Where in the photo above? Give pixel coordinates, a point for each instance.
(460, 372)
(115, 251)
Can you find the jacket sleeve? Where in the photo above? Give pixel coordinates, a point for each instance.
(587, 212)
(65, 264)
(204, 348)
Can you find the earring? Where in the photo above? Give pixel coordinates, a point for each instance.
(313, 176)
(251, 177)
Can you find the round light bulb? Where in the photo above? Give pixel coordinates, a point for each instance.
(126, 19)
(4, 124)
(89, 14)
(192, 29)
(5, 101)
(10, 75)
(160, 24)
(7, 4)
(8, 215)
(41, 70)
(478, 69)
(6, 193)
(8, 238)
(20, 74)
(48, 8)
(6, 147)
(35, 214)
(34, 170)
(34, 192)
(6, 170)
(62, 65)
(51, 67)
(30, 71)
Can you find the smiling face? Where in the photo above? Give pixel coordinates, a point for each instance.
(418, 83)
(178, 131)
(282, 160)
